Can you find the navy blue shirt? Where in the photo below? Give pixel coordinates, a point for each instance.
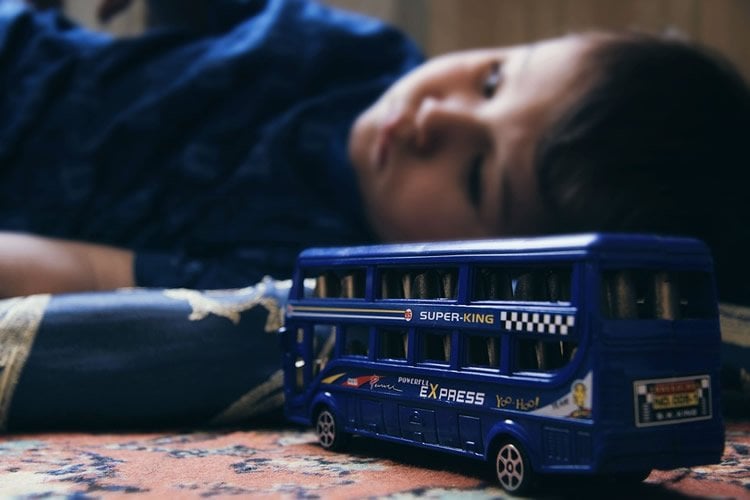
(216, 157)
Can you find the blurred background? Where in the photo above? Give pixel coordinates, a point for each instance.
(444, 25)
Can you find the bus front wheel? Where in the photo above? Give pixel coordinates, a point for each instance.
(330, 435)
(512, 468)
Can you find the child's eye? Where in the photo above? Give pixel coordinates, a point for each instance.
(492, 81)
(474, 183)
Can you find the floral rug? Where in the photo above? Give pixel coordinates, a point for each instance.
(287, 463)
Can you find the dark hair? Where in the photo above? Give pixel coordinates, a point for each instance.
(657, 144)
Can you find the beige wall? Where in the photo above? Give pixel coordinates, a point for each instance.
(723, 24)
(445, 25)
(129, 22)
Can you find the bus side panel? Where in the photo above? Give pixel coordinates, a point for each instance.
(394, 403)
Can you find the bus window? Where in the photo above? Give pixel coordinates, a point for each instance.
(619, 299)
(390, 285)
(656, 294)
(558, 283)
(549, 284)
(666, 295)
(543, 355)
(542, 285)
(425, 284)
(324, 341)
(449, 283)
(327, 285)
(357, 340)
(393, 343)
(492, 284)
(481, 351)
(353, 284)
(435, 346)
(529, 287)
(696, 295)
(341, 283)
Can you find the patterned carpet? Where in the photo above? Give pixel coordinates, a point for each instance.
(287, 463)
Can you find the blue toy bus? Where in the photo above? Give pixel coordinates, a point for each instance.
(589, 354)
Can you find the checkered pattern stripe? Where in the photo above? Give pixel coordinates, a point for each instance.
(561, 324)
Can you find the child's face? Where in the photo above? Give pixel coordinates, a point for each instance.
(447, 152)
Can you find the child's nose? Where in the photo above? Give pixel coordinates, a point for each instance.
(444, 119)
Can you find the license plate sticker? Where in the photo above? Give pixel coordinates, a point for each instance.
(672, 400)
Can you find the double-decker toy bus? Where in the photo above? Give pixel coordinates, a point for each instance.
(588, 354)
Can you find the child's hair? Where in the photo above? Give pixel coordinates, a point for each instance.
(658, 144)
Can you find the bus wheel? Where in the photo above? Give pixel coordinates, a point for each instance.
(330, 435)
(513, 470)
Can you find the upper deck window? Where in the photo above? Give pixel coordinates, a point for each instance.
(534, 284)
(338, 283)
(419, 283)
(657, 294)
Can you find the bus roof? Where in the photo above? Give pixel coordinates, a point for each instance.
(576, 243)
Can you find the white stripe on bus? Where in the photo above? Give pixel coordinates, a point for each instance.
(353, 316)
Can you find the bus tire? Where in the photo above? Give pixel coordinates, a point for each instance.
(512, 468)
(329, 432)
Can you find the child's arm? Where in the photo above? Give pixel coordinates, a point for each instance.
(34, 264)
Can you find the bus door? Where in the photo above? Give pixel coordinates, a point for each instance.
(417, 424)
(308, 348)
(295, 377)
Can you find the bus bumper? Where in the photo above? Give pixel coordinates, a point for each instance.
(659, 448)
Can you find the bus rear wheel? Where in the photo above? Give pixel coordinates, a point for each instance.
(512, 468)
(330, 435)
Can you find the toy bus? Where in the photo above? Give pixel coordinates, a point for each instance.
(587, 354)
